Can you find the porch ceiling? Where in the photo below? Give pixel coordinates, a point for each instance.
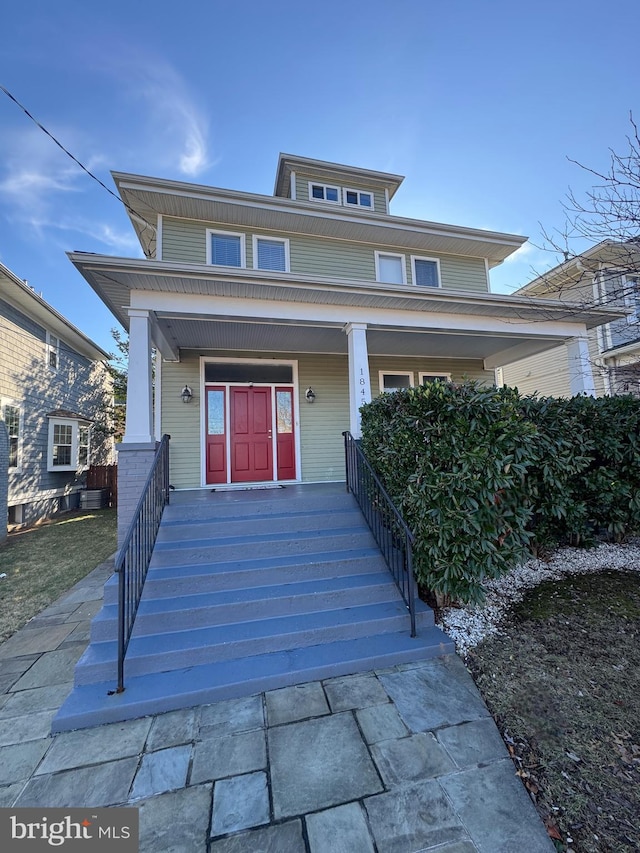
(204, 335)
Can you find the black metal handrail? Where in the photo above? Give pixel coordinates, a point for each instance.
(387, 525)
(132, 562)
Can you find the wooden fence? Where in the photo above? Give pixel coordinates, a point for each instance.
(104, 477)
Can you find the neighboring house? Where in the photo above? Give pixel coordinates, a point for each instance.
(276, 317)
(607, 274)
(54, 397)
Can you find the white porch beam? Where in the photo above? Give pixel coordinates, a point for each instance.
(359, 379)
(185, 304)
(139, 419)
(580, 372)
(167, 349)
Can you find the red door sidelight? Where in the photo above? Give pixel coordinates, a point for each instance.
(251, 435)
(216, 445)
(285, 435)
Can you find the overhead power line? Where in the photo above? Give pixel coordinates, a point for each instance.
(75, 159)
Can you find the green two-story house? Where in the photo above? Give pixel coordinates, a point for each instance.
(276, 317)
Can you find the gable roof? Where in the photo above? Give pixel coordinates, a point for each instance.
(25, 299)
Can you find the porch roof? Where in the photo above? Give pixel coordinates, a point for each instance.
(311, 313)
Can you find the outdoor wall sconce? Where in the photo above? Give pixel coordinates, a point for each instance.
(310, 395)
(187, 395)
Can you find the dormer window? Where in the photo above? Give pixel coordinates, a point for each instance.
(358, 198)
(324, 192)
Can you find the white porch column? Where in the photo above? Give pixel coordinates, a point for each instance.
(580, 372)
(139, 419)
(359, 380)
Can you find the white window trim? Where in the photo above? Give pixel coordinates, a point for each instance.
(211, 232)
(437, 373)
(325, 187)
(383, 373)
(8, 401)
(75, 425)
(285, 240)
(436, 261)
(51, 348)
(358, 193)
(632, 297)
(403, 265)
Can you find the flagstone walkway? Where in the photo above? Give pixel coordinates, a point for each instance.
(399, 760)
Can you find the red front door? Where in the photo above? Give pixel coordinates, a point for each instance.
(251, 435)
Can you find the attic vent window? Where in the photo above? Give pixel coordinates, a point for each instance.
(358, 198)
(322, 192)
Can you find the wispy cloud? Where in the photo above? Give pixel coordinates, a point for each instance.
(175, 119)
(34, 170)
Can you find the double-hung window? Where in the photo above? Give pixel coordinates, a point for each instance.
(69, 443)
(390, 268)
(358, 198)
(270, 253)
(426, 271)
(324, 192)
(225, 249)
(11, 417)
(53, 352)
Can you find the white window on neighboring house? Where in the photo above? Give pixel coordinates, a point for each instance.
(390, 268)
(395, 381)
(324, 192)
(426, 271)
(270, 253)
(53, 352)
(632, 299)
(69, 443)
(225, 249)
(358, 198)
(11, 418)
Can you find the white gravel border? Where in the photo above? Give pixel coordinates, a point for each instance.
(469, 625)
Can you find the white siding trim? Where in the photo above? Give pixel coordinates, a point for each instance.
(157, 397)
(159, 238)
(292, 178)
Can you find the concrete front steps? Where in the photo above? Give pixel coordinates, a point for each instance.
(249, 591)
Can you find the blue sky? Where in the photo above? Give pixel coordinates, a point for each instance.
(478, 104)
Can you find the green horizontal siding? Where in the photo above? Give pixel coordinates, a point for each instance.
(547, 374)
(459, 369)
(321, 423)
(468, 274)
(182, 422)
(185, 241)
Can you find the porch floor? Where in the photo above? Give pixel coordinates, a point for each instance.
(250, 590)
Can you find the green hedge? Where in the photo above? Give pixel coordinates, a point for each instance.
(483, 476)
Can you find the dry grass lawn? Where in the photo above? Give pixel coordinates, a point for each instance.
(41, 563)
